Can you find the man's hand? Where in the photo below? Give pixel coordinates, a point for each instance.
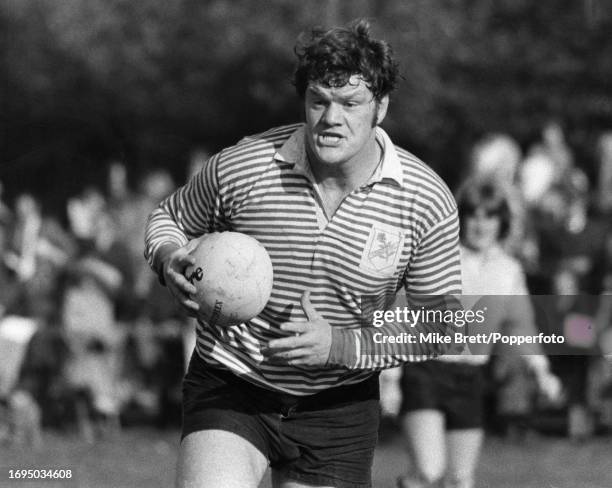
(174, 266)
(311, 343)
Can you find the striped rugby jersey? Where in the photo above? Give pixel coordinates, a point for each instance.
(400, 230)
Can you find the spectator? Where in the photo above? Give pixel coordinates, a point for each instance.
(442, 405)
(39, 252)
(496, 158)
(545, 165)
(570, 235)
(575, 315)
(515, 395)
(94, 282)
(8, 278)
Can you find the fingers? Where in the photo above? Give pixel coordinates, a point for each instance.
(178, 284)
(184, 298)
(295, 327)
(184, 260)
(309, 344)
(298, 328)
(179, 281)
(288, 343)
(179, 261)
(291, 356)
(192, 307)
(308, 307)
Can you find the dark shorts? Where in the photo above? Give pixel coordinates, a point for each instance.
(455, 389)
(323, 439)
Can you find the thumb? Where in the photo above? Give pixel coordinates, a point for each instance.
(309, 310)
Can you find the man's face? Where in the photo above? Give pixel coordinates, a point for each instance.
(341, 121)
(481, 230)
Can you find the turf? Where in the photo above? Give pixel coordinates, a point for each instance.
(139, 458)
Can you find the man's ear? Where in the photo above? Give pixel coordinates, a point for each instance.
(381, 110)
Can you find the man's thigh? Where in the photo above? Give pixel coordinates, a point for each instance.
(333, 446)
(219, 459)
(326, 439)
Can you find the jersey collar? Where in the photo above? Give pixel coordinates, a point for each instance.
(293, 151)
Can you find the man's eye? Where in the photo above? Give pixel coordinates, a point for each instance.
(351, 103)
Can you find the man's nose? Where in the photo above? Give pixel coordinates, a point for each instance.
(332, 114)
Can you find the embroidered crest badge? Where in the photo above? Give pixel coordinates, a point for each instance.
(383, 249)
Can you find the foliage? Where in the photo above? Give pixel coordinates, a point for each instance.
(86, 81)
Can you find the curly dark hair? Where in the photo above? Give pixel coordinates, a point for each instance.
(331, 57)
(486, 195)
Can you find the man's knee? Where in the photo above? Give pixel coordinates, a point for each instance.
(430, 477)
(418, 481)
(425, 477)
(459, 480)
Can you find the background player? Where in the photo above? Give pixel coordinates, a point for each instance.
(443, 400)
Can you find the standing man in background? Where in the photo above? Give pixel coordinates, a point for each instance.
(343, 213)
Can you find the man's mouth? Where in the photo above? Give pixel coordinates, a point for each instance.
(329, 139)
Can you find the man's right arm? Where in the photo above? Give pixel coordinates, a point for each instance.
(188, 213)
(175, 228)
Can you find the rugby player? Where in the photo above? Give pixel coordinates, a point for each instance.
(343, 213)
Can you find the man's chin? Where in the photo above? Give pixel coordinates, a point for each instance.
(329, 156)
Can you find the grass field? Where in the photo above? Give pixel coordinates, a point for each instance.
(140, 458)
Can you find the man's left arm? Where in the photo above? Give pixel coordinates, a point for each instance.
(433, 277)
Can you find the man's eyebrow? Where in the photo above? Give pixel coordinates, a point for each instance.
(355, 92)
(315, 90)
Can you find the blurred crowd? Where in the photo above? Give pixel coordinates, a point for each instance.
(563, 239)
(561, 235)
(89, 338)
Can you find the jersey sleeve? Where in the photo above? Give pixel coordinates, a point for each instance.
(189, 212)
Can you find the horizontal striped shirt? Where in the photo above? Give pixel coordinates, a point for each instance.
(400, 230)
(495, 281)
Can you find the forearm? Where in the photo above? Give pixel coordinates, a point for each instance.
(390, 345)
(161, 233)
(160, 256)
(188, 213)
